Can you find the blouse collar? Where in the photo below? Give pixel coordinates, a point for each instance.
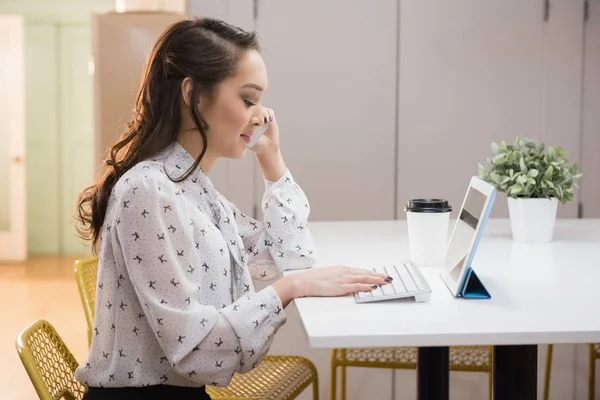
(177, 162)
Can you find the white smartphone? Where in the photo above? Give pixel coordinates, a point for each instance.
(256, 134)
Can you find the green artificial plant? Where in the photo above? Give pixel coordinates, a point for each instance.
(526, 169)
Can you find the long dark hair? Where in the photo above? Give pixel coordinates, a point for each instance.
(205, 49)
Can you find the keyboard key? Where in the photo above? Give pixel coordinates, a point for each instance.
(406, 278)
(377, 292)
(410, 269)
(388, 289)
(398, 285)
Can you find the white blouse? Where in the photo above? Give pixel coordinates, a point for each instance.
(175, 302)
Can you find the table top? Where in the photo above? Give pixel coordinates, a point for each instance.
(541, 293)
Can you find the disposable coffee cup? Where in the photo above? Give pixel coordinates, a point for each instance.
(427, 221)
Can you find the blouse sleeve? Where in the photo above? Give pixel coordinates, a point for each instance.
(282, 240)
(203, 343)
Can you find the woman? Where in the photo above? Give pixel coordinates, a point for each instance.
(175, 305)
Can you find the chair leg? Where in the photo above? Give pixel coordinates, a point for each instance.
(333, 384)
(548, 371)
(490, 385)
(592, 375)
(343, 367)
(315, 386)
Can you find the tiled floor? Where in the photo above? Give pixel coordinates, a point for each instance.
(43, 287)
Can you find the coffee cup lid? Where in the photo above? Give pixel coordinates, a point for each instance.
(428, 206)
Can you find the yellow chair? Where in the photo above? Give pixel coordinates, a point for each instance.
(594, 354)
(276, 378)
(48, 362)
(86, 272)
(462, 358)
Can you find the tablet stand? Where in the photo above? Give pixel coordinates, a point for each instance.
(473, 288)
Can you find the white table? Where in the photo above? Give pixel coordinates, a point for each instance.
(542, 293)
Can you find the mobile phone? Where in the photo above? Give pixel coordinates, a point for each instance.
(256, 134)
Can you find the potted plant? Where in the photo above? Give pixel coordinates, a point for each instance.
(534, 179)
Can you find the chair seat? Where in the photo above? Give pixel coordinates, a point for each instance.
(462, 358)
(276, 378)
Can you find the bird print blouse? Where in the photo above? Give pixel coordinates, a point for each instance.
(175, 303)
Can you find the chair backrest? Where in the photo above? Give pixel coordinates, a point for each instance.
(86, 275)
(48, 362)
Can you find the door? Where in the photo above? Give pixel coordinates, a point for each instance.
(13, 232)
(590, 163)
(58, 115)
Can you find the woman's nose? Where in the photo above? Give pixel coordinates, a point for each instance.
(256, 118)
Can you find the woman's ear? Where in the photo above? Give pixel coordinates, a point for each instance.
(187, 85)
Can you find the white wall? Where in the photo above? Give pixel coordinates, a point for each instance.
(467, 72)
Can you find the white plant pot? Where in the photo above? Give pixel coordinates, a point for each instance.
(532, 220)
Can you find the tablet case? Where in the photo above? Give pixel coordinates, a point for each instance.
(472, 288)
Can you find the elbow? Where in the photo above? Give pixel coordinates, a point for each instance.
(247, 367)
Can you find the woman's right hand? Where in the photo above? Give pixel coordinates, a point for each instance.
(328, 282)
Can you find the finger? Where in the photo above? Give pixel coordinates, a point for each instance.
(382, 275)
(369, 279)
(361, 271)
(386, 277)
(271, 115)
(265, 115)
(357, 271)
(268, 117)
(360, 287)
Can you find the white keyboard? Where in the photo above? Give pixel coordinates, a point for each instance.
(407, 281)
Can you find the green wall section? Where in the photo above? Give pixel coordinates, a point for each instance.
(59, 119)
(42, 138)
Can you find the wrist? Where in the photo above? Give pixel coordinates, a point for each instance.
(272, 165)
(288, 288)
(296, 287)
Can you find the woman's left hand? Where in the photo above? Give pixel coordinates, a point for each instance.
(267, 148)
(269, 141)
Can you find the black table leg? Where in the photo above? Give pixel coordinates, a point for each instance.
(433, 373)
(515, 372)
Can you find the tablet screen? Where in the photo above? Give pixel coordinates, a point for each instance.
(464, 233)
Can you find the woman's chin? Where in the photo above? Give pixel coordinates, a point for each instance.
(238, 153)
